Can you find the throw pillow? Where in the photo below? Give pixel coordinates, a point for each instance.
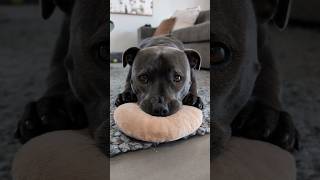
(186, 18)
(165, 27)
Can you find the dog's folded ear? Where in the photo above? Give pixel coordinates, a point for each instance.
(194, 58)
(48, 6)
(276, 11)
(281, 18)
(129, 55)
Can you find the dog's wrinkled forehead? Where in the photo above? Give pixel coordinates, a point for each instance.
(230, 19)
(88, 15)
(162, 41)
(161, 55)
(162, 50)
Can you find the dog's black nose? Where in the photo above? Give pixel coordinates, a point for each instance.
(160, 110)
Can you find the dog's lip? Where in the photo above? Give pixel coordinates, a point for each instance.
(169, 114)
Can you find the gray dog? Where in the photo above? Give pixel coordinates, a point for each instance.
(244, 79)
(161, 76)
(77, 82)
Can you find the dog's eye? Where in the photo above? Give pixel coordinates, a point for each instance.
(177, 78)
(143, 78)
(103, 51)
(220, 53)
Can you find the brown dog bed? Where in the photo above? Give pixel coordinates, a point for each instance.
(68, 155)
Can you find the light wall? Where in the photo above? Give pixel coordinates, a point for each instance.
(125, 34)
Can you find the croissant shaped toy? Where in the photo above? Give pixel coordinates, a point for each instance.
(135, 123)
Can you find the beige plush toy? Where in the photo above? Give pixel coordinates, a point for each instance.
(137, 124)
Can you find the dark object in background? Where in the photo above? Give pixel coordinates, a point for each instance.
(111, 26)
(116, 57)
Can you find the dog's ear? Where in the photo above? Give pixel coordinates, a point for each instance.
(48, 6)
(129, 55)
(194, 58)
(277, 11)
(282, 16)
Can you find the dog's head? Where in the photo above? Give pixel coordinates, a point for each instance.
(235, 51)
(87, 55)
(161, 75)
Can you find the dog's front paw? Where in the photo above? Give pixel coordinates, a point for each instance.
(126, 97)
(30, 124)
(192, 100)
(102, 137)
(49, 114)
(258, 121)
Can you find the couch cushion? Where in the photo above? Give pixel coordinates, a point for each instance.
(196, 33)
(165, 27)
(203, 17)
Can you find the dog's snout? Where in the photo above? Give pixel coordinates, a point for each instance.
(160, 109)
(157, 99)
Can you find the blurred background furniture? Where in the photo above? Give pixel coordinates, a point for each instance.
(111, 26)
(196, 37)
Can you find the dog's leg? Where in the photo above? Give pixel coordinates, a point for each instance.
(58, 108)
(57, 80)
(192, 98)
(127, 95)
(263, 117)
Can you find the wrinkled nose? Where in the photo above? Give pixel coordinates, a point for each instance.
(159, 107)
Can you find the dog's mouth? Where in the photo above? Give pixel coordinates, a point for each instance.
(161, 110)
